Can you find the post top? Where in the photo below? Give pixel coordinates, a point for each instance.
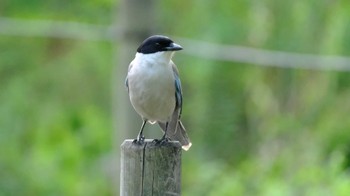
(149, 143)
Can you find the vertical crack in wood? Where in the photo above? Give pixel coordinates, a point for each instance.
(143, 167)
(152, 181)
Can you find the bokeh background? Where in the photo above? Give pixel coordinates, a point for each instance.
(256, 130)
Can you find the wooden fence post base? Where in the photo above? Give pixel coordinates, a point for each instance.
(150, 168)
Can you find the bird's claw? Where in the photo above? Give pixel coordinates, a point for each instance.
(161, 141)
(139, 140)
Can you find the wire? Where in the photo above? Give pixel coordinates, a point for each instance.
(55, 29)
(264, 57)
(220, 52)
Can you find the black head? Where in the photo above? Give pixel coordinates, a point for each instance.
(157, 43)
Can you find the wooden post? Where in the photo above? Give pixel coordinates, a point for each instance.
(150, 169)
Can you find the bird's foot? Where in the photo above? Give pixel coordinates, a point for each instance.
(139, 140)
(161, 141)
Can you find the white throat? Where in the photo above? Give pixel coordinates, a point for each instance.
(155, 58)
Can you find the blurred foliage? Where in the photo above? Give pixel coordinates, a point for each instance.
(255, 130)
(54, 117)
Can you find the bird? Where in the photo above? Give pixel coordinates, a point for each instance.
(154, 89)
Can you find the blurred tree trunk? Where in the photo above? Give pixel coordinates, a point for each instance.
(135, 22)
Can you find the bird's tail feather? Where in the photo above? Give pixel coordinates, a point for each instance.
(176, 131)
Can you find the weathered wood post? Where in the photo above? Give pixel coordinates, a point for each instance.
(150, 168)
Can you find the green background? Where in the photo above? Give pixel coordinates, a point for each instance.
(255, 130)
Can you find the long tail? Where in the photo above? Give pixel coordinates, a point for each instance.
(177, 132)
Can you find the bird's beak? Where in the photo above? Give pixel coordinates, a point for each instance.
(173, 47)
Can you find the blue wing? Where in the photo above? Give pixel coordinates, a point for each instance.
(127, 83)
(176, 131)
(178, 90)
(126, 79)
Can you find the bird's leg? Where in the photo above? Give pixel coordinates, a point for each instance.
(140, 138)
(164, 138)
(166, 129)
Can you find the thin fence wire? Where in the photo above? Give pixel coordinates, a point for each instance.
(202, 49)
(263, 57)
(56, 29)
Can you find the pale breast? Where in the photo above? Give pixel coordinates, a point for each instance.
(152, 92)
